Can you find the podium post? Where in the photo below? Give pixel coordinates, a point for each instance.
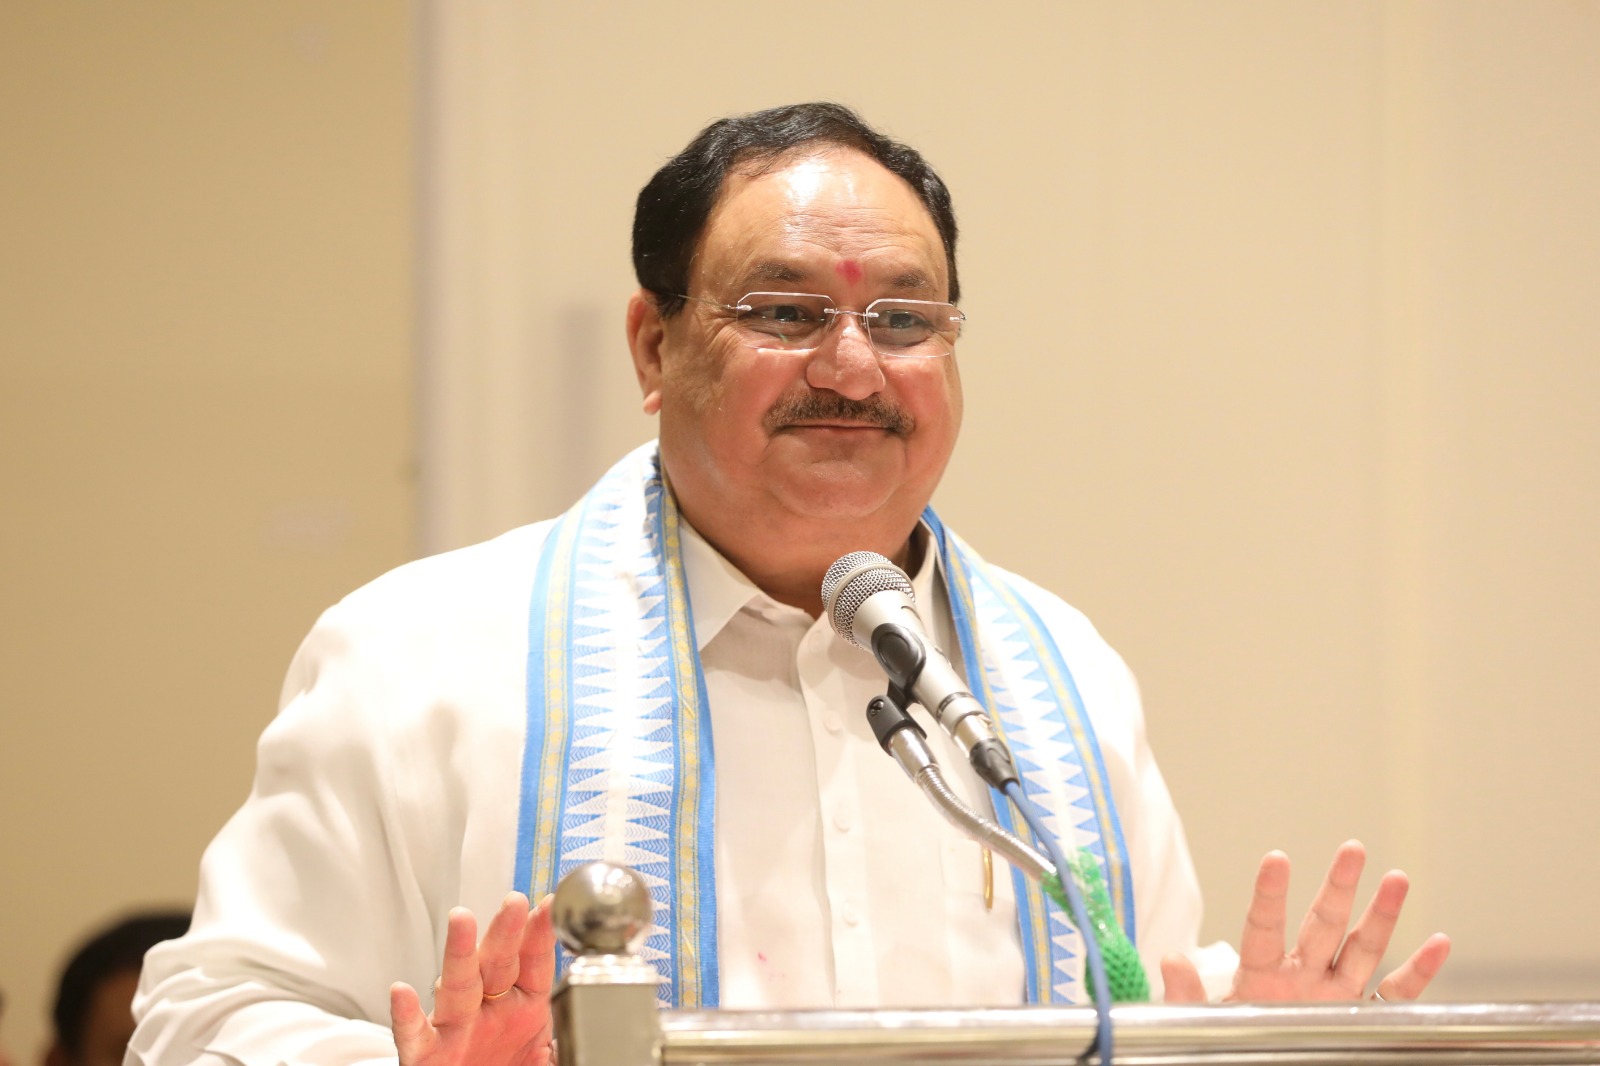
(605, 1005)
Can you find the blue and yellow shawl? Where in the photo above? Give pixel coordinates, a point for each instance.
(618, 763)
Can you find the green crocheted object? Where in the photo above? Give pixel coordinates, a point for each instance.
(1124, 972)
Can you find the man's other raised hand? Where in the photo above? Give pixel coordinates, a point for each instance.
(1324, 962)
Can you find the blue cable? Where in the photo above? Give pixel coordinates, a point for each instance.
(1078, 913)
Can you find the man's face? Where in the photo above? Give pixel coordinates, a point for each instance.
(836, 437)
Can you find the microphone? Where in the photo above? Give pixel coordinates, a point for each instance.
(864, 585)
(870, 603)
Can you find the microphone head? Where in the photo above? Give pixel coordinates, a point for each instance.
(851, 580)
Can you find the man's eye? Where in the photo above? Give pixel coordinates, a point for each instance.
(900, 320)
(787, 313)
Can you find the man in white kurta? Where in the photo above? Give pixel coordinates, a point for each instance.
(388, 788)
(795, 332)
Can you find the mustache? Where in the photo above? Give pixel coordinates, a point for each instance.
(831, 407)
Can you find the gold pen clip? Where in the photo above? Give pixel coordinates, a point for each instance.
(988, 879)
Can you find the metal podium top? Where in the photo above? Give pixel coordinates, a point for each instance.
(606, 1015)
(1367, 1034)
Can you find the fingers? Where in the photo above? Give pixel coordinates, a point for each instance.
(1182, 980)
(1261, 945)
(1325, 923)
(498, 955)
(413, 1036)
(459, 991)
(1413, 975)
(1363, 949)
(538, 951)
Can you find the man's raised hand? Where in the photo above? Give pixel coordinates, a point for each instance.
(1324, 962)
(491, 1005)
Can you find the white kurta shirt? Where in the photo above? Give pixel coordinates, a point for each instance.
(388, 789)
(837, 883)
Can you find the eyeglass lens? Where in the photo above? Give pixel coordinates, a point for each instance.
(798, 322)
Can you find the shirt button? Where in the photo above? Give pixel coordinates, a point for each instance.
(851, 917)
(842, 821)
(833, 723)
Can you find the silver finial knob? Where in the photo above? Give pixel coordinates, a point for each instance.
(602, 909)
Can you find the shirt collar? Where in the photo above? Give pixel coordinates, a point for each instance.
(718, 590)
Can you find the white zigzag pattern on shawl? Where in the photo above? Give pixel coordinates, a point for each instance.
(618, 780)
(1039, 741)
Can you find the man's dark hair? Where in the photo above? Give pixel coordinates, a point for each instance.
(119, 948)
(676, 203)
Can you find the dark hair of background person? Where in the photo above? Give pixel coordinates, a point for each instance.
(675, 204)
(117, 949)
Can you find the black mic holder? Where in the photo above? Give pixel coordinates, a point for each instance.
(887, 715)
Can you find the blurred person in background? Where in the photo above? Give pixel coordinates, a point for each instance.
(93, 1014)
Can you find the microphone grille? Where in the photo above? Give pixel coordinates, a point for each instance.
(852, 579)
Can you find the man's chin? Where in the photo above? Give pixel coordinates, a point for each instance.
(842, 490)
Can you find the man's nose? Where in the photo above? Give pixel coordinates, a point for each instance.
(845, 362)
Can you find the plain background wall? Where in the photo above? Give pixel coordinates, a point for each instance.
(206, 367)
(1283, 362)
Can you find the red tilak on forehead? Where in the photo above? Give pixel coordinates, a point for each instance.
(849, 270)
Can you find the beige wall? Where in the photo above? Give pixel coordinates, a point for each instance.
(1282, 359)
(205, 420)
(1311, 435)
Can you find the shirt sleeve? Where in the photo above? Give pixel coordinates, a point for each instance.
(310, 904)
(1167, 897)
(386, 793)
(1166, 890)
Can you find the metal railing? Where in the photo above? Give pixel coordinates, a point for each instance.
(606, 1015)
(1368, 1034)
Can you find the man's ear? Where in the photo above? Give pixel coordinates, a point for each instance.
(646, 332)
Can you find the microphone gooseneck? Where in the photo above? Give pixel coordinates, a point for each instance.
(900, 735)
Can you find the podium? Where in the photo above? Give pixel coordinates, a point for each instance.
(606, 1015)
